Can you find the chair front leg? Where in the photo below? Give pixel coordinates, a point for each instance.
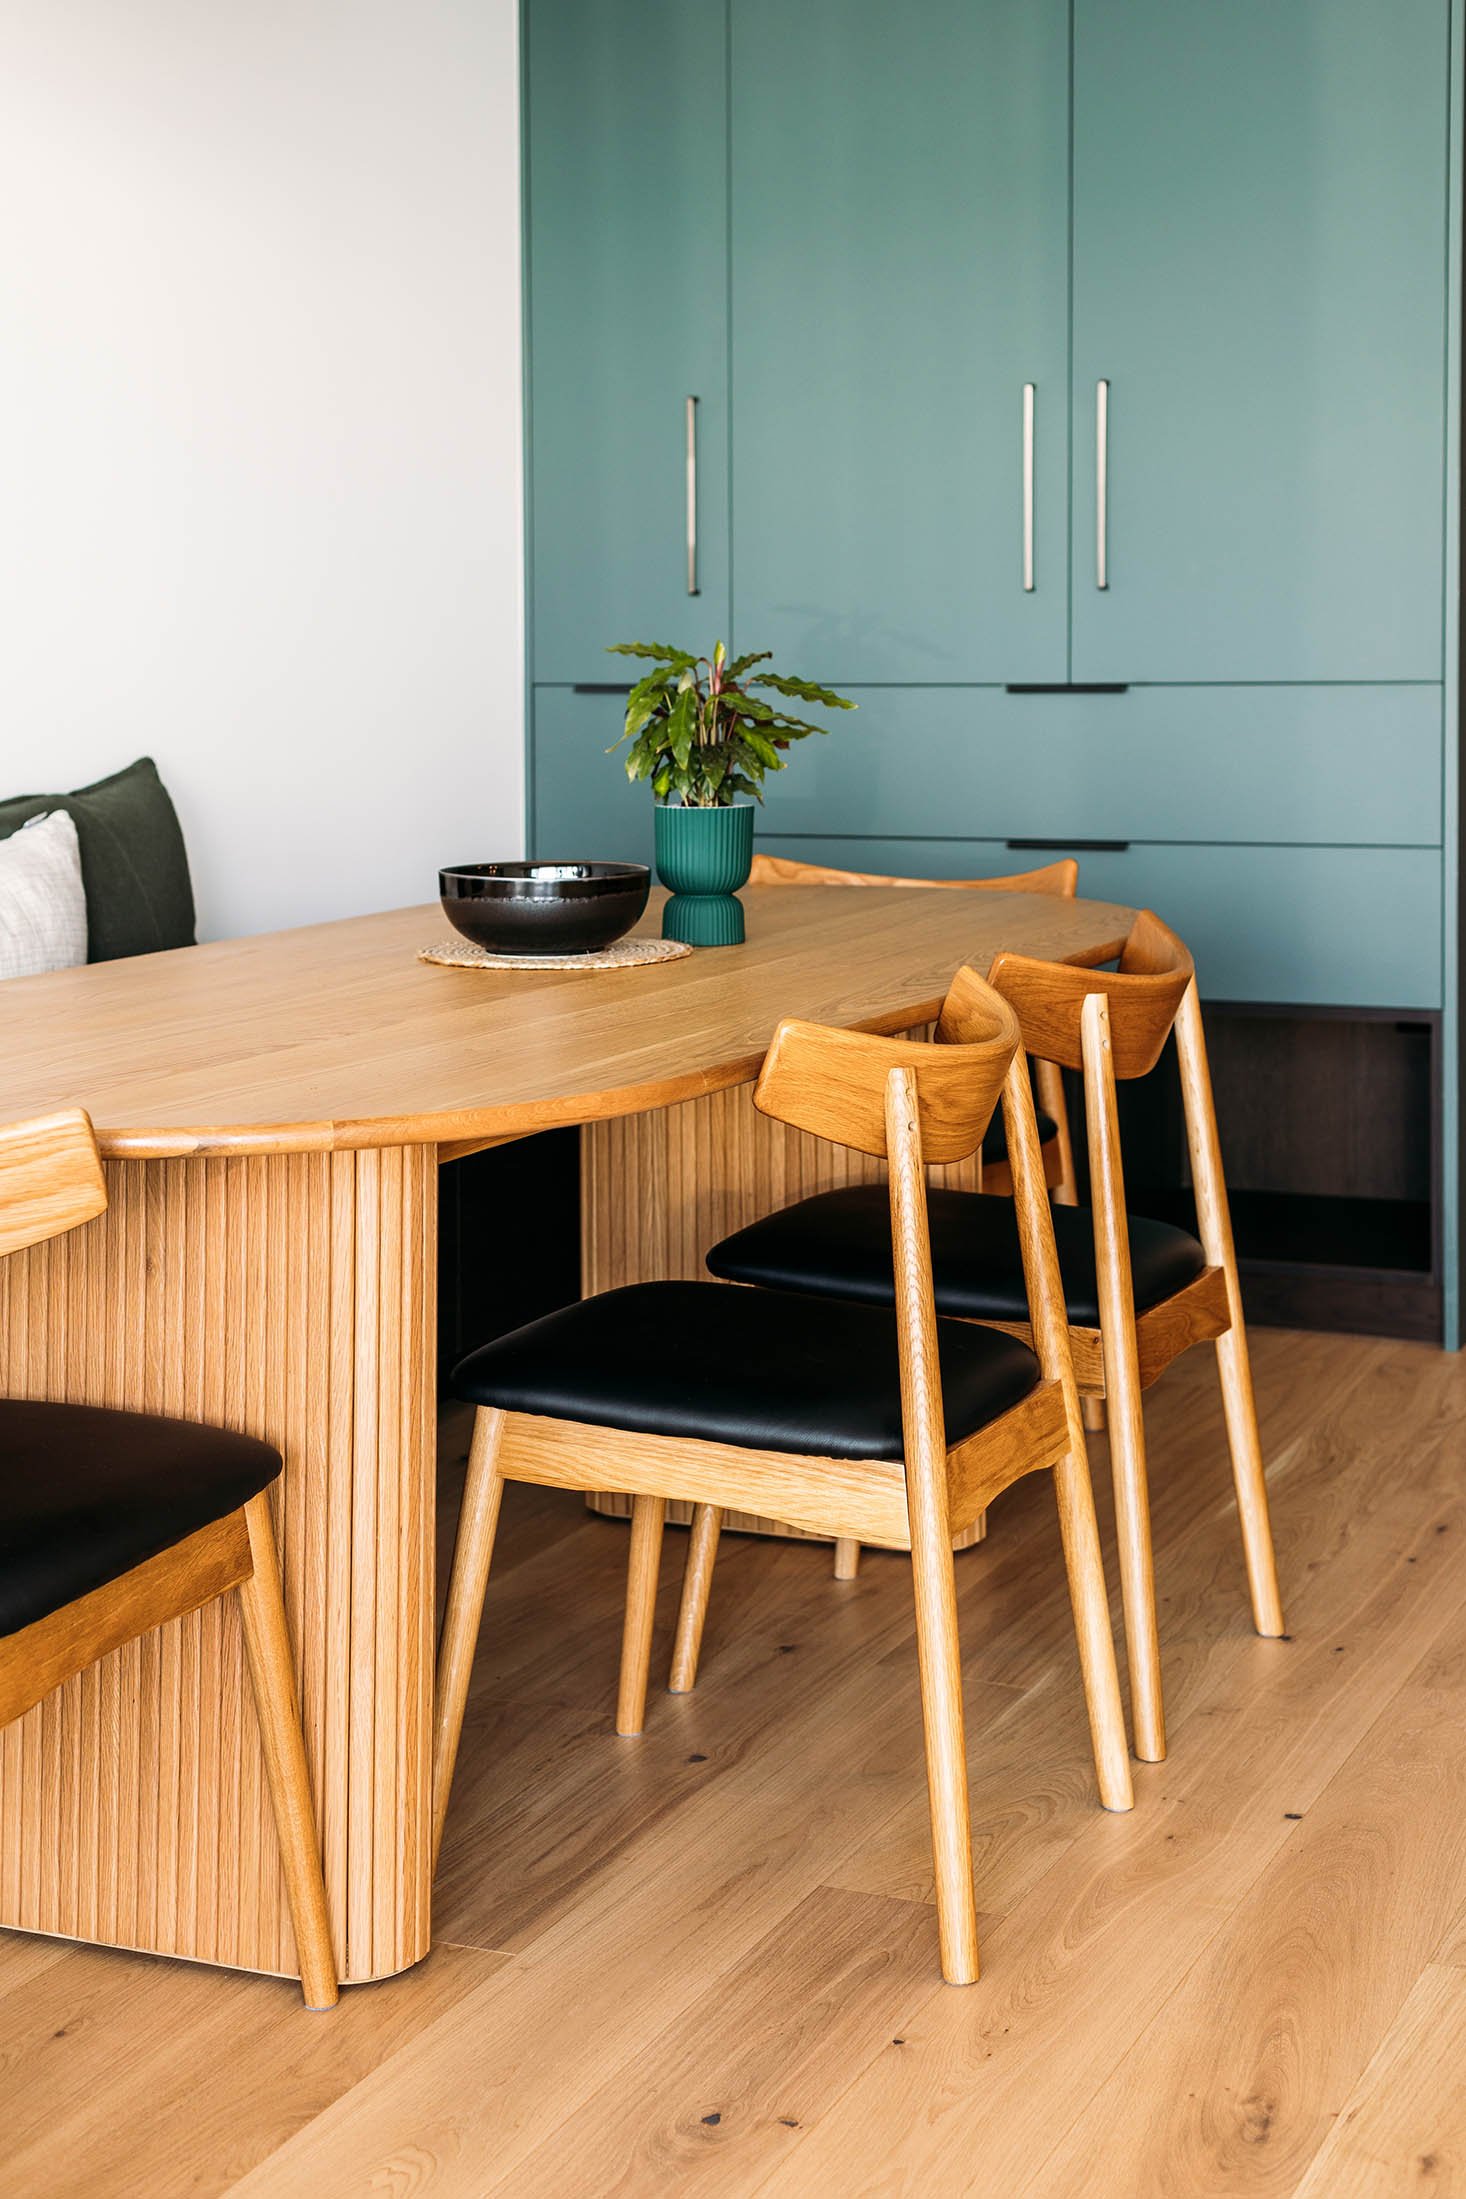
(648, 1515)
(272, 1672)
(468, 1583)
(697, 1585)
(939, 1656)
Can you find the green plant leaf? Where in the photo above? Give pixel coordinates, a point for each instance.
(763, 748)
(797, 729)
(805, 690)
(663, 651)
(681, 728)
(740, 665)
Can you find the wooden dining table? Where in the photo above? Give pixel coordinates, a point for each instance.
(273, 1112)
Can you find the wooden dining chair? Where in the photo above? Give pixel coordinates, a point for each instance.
(1140, 1292)
(843, 1419)
(1060, 878)
(113, 1523)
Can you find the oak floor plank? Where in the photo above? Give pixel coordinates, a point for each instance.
(1076, 1972)
(134, 2077)
(1404, 2128)
(731, 1915)
(709, 2103)
(1311, 1971)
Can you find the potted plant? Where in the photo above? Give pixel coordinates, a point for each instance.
(704, 739)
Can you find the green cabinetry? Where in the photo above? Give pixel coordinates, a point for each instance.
(626, 289)
(896, 254)
(899, 275)
(1259, 276)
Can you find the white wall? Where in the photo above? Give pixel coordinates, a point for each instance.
(260, 432)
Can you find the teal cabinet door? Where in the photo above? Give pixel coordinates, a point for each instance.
(1259, 277)
(627, 313)
(582, 807)
(899, 273)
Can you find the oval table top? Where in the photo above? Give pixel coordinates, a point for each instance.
(335, 1036)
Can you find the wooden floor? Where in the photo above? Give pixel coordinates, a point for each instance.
(705, 1961)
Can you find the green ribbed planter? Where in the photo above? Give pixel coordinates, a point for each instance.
(703, 857)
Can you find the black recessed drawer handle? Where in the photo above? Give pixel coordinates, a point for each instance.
(1070, 847)
(600, 687)
(1068, 687)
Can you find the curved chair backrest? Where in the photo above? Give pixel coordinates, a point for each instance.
(912, 1102)
(836, 1083)
(1060, 878)
(50, 1178)
(1143, 996)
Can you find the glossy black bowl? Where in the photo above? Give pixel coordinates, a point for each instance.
(544, 908)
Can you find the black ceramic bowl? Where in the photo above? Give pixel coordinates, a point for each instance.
(544, 908)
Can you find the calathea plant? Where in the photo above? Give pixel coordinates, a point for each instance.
(699, 732)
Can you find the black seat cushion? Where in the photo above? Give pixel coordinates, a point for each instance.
(86, 1494)
(995, 1144)
(839, 1244)
(705, 1361)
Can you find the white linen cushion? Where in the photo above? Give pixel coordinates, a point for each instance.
(43, 909)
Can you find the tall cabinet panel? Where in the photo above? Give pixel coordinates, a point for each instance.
(1259, 277)
(899, 273)
(626, 175)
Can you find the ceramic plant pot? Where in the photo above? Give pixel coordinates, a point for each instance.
(703, 857)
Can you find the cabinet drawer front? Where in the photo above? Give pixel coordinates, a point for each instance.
(1322, 765)
(1340, 927)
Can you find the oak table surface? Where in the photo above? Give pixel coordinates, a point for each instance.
(273, 1113)
(336, 1037)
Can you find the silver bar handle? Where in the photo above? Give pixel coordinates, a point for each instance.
(1101, 484)
(1028, 396)
(692, 496)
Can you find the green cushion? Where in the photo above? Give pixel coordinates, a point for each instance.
(134, 865)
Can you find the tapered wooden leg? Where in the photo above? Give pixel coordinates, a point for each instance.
(272, 1671)
(473, 1551)
(1245, 1445)
(647, 1517)
(697, 1583)
(1093, 1409)
(1090, 1600)
(1122, 1385)
(847, 1558)
(1214, 1220)
(940, 1660)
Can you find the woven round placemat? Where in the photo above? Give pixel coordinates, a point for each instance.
(627, 954)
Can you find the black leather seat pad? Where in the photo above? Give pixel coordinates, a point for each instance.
(839, 1244)
(772, 1373)
(86, 1494)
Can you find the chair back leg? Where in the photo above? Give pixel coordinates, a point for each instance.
(478, 1523)
(1122, 1383)
(272, 1671)
(1215, 1222)
(697, 1583)
(648, 1516)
